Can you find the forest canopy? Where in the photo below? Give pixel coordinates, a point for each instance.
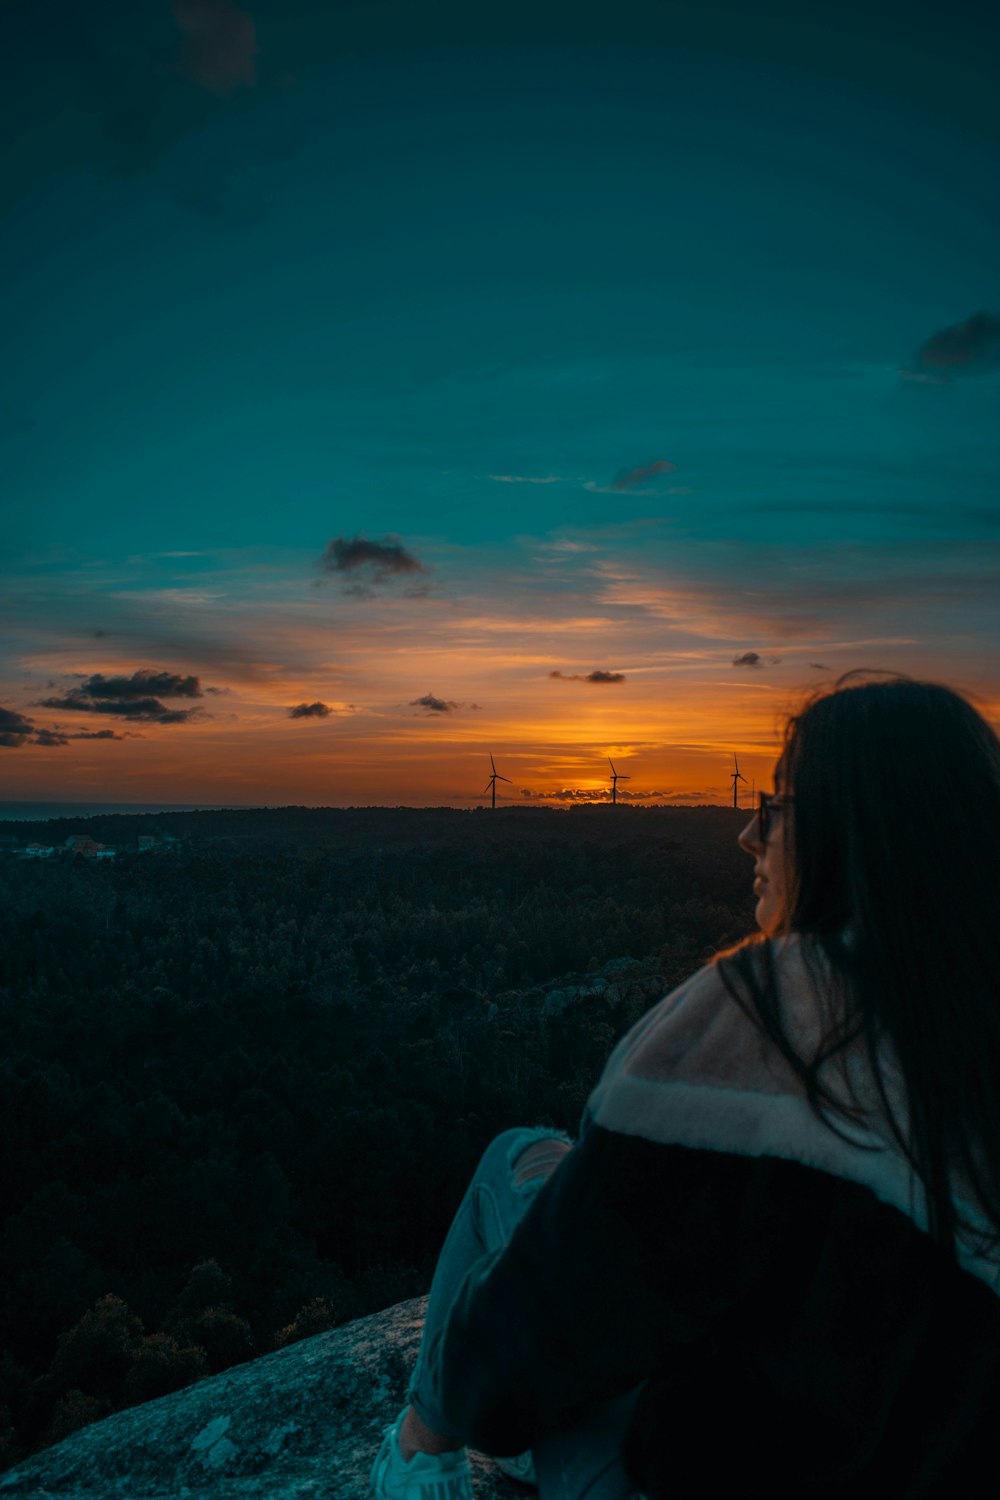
(249, 1072)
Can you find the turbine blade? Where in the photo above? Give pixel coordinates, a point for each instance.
(612, 765)
(492, 766)
(504, 778)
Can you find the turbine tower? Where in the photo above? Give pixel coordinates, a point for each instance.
(737, 777)
(491, 785)
(615, 778)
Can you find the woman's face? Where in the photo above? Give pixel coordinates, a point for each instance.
(769, 861)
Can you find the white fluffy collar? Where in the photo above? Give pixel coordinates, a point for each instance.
(697, 1071)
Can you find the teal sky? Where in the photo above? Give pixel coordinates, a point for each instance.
(654, 345)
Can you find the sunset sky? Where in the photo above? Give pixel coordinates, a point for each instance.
(388, 385)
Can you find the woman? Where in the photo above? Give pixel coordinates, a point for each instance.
(772, 1260)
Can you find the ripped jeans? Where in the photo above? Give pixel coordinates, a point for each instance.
(582, 1462)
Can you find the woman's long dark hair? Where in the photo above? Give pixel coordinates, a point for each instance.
(893, 847)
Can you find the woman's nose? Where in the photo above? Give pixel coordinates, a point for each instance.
(749, 838)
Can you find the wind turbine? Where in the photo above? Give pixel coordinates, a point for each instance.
(737, 777)
(615, 778)
(491, 785)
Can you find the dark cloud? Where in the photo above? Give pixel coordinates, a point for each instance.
(368, 562)
(144, 683)
(597, 676)
(134, 697)
(310, 711)
(102, 734)
(14, 728)
(17, 729)
(143, 710)
(819, 666)
(220, 45)
(969, 348)
(748, 659)
(630, 479)
(434, 705)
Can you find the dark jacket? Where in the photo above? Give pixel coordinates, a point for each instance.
(770, 1283)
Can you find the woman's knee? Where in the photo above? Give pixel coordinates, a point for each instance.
(529, 1153)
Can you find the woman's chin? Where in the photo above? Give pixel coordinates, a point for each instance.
(766, 914)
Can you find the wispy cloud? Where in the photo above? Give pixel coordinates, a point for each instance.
(597, 676)
(748, 659)
(642, 474)
(528, 479)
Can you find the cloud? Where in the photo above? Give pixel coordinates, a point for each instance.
(143, 683)
(143, 710)
(969, 348)
(596, 676)
(135, 697)
(819, 666)
(433, 705)
(630, 479)
(748, 659)
(14, 728)
(220, 45)
(310, 711)
(527, 479)
(368, 562)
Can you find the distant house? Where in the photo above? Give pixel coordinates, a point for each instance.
(39, 851)
(82, 843)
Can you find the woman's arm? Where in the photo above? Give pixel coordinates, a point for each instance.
(630, 1251)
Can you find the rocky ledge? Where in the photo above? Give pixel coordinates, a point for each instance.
(306, 1421)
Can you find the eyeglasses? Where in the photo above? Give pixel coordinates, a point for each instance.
(770, 807)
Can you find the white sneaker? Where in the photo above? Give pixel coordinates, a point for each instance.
(427, 1476)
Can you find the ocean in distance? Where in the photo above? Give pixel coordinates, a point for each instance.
(35, 812)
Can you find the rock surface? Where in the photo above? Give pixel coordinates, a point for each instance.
(304, 1422)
